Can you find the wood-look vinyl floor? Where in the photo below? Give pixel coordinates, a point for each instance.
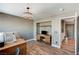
(40, 48)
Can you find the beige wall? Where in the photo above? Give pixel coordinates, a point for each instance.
(9, 23)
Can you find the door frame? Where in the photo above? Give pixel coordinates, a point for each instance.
(75, 28)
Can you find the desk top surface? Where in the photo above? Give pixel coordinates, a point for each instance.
(8, 45)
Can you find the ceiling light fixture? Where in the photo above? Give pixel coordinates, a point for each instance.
(61, 9)
(27, 14)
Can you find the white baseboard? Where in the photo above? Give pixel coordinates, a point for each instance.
(29, 40)
(55, 46)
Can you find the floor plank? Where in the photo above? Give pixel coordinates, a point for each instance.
(40, 48)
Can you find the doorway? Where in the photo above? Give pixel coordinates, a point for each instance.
(70, 31)
(68, 34)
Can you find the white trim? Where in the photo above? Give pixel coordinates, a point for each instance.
(76, 15)
(29, 40)
(60, 18)
(59, 33)
(67, 17)
(55, 46)
(35, 28)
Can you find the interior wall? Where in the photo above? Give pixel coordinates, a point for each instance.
(56, 27)
(22, 27)
(44, 26)
(62, 30)
(55, 30)
(38, 21)
(56, 33)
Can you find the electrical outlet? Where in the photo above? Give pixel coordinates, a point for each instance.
(56, 42)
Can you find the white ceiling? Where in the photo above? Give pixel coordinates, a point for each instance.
(39, 10)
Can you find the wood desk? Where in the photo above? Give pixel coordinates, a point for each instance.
(11, 47)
